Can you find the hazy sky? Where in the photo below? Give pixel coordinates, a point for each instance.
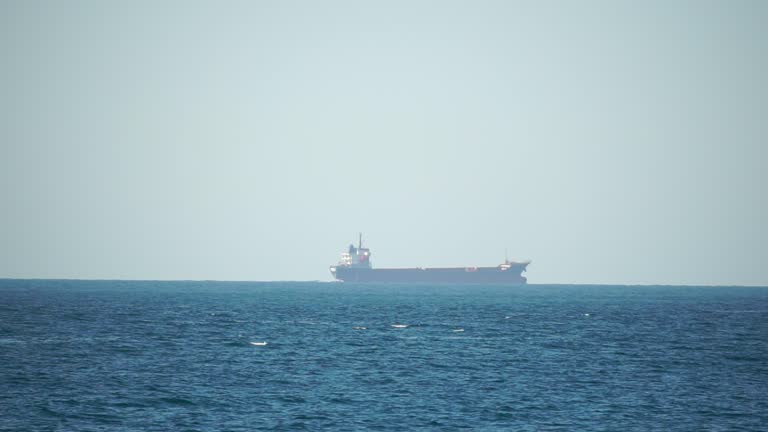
(607, 141)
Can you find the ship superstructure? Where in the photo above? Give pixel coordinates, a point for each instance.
(355, 266)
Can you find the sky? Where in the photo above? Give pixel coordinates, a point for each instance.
(610, 142)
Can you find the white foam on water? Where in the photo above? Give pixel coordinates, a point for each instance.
(400, 325)
(459, 330)
(360, 328)
(259, 343)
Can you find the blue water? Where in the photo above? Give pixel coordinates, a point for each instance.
(102, 356)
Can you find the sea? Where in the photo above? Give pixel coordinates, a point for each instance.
(252, 356)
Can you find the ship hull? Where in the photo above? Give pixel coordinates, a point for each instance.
(462, 275)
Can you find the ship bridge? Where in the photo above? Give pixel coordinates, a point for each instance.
(356, 257)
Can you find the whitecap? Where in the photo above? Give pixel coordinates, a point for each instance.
(360, 328)
(400, 325)
(458, 330)
(259, 343)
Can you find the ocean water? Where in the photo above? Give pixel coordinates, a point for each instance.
(179, 356)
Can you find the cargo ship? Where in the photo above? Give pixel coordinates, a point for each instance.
(355, 266)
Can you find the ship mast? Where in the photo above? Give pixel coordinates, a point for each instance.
(360, 241)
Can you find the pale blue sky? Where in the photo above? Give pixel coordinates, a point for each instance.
(608, 141)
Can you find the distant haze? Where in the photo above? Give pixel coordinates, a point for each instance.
(607, 141)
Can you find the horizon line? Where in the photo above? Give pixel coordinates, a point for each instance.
(557, 284)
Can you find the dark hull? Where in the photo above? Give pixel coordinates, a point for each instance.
(474, 275)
